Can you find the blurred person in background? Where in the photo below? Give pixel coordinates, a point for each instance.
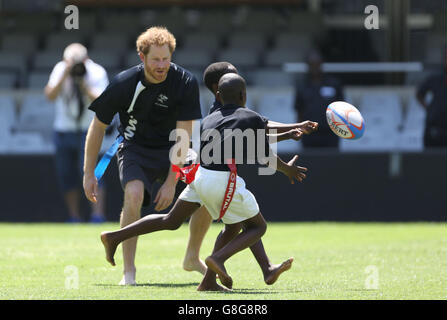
(73, 84)
(435, 134)
(311, 100)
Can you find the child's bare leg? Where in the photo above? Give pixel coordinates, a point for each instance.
(254, 229)
(209, 280)
(150, 223)
(270, 271)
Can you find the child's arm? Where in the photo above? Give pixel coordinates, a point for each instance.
(295, 134)
(307, 127)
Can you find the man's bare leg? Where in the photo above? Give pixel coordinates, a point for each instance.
(181, 211)
(198, 226)
(133, 199)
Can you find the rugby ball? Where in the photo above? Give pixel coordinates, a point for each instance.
(345, 120)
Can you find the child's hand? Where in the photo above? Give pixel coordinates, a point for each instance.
(294, 172)
(308, 127)
(295, 134)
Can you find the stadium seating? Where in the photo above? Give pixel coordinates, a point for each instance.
(278, 106)
(13, 61)
(218, 22)
(240, 58)
(8, 80)
(277, 57)
(251, 41)
(271, 78)
(109, 41)
(411, 137)
(382, 112)
(131, 59)
(201, 41)
(29, 143)
(45, 61)
(192, 58)
(19, 42)
(59, 41)
(293, 41)
(36, 115)
(38, 80)
(109, 59)
(7, 120)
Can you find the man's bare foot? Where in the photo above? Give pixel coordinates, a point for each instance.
(128, 279)
(276, 270)
(109, 246)
(212, 287)
(220, 270)
(194, 265)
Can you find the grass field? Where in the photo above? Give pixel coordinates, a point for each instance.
(332, 261)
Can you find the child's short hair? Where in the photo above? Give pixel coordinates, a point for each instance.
(158, 36)
(215, 71)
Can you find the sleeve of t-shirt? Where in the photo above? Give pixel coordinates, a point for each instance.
(56, 74)
(101, 81)
(190, 105)
(108, 103)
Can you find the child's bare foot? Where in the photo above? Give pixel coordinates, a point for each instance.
(109, 246)
(212, 287)
(276, 270)
(220, 270)
(195, 264)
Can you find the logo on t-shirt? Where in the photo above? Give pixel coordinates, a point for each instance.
(161, 100)
(130, 129)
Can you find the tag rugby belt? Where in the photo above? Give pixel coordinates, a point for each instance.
(187, 175)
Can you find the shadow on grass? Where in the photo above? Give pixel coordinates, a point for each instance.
(254, 291)
(195, 284)
(162, 285)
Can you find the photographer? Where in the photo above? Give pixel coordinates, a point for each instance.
(74, 83)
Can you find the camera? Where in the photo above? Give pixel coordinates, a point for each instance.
(78, 70)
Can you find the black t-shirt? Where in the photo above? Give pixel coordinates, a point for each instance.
(149, 112)
(232, 117)
(216, 105)
(437, 109)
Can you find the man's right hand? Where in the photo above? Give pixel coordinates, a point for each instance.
(90, 187)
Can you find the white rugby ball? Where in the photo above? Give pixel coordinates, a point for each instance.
(345, 120)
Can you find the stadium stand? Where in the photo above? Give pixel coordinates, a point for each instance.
(7, 121)
(277, 105)
(201, 41)
(38, 80)
(193, 58)
(8, 80)
(19, 42)
(36, 116)
(256, 40)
